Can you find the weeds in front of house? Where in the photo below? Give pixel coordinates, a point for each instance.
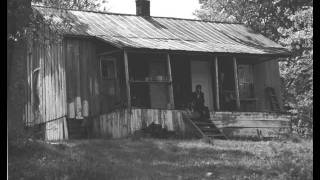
(161, 159)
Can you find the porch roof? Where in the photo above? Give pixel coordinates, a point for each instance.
(162, 33)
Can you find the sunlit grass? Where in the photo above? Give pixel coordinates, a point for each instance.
(162, 159)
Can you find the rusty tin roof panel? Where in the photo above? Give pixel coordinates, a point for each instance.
(130, 31)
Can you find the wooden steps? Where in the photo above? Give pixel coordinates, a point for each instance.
(205, 127)
(208, 128)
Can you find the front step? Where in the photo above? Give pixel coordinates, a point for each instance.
(205, 127)
(209, 128)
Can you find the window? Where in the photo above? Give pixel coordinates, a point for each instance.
(107, 68)
(149, 81)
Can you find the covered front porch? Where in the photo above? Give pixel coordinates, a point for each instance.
(145, 87)
(162, 80)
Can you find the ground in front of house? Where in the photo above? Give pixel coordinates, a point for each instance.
(161, 159)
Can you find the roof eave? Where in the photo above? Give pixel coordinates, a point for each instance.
(276, 55)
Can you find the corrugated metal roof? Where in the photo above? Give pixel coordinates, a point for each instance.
(130, 31)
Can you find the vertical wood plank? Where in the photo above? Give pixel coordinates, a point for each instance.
(84, 76)
(28, 91)
(55, 81)
(91, 65)
(42, 72)
(70, 79)
(58, 81)
(29, 56)
(42, 78)
(49, 100)
(46, 49)
(61, 128)
(47, 60)
(46, 81)
(171, 98)
(51, 88)
(59, 69)
(65, 128)
(95, 79)
(236, 83)
(35, 53)
(31, 65)
(78, 83)
(90, 80)
(64, 79)
(46, 130)
(126, 67)
(40, 82)
(216, 71)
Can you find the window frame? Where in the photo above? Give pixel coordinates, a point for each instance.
(111, 59)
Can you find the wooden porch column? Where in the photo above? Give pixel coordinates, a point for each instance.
(216, 82)
(236, 83)
(126, 69)
(171, 99)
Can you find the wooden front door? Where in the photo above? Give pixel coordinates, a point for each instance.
(200, 74)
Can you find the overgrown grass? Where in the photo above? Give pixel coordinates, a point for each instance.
(161, 159)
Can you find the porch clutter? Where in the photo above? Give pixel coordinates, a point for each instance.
(155, 131)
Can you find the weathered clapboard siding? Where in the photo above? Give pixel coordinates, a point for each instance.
(56, 130)
(247, 123)
(46, 84)
(46, 79)
(121, 123)
(83, 77)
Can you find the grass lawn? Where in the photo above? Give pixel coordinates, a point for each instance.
(161, 159)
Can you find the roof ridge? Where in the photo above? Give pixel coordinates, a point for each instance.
(123, 14)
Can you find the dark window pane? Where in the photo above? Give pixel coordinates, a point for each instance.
(107, 69)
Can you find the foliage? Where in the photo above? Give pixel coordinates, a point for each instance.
(297, 71)
(72, 4)
(289, 23)
(20, 15)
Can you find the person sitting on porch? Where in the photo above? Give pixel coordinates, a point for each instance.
(198, 102)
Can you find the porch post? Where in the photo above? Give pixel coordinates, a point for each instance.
(236, 83)
(171, 99)
(126, 69)
(216, 82)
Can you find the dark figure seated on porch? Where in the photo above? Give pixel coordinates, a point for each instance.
(198, 103)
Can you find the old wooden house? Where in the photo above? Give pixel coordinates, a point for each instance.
(117, 73)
